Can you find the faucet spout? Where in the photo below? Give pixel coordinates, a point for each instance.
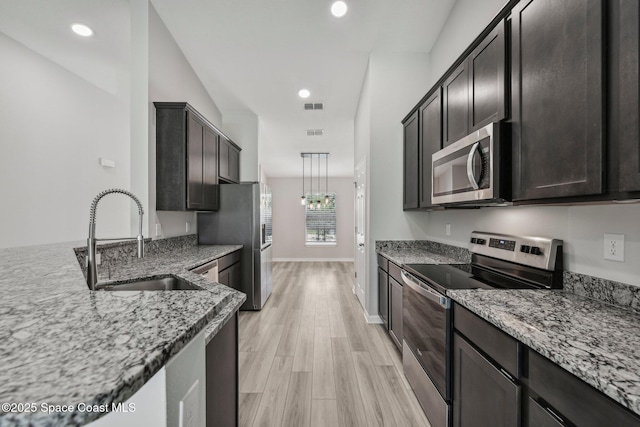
(92, 271)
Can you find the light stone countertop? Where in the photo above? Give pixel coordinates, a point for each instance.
(402, 256)
(63, 344)
(597, 342)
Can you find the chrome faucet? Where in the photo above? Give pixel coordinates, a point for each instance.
(92, 271)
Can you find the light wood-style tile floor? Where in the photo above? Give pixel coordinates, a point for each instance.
(310, 359)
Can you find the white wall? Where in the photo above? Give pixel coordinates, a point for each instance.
(582, 227)
(394, 83)
(54, 126)
(289, 217)
(171, 78)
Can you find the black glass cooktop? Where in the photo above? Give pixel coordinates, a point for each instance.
(465, 276)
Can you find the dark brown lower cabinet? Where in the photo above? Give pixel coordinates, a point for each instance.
(383, 296)
(567, 397)
(395, 312)
(222, 376)
(482, 394)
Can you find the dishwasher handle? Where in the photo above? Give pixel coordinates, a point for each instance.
(436, 297)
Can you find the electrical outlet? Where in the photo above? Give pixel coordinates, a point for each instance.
(158, 229)
(614, 247)
(188, 227)
(447, 229)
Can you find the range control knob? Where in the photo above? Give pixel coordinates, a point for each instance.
(481, 241)
(525, 248)
(535, 250)
(474, 240)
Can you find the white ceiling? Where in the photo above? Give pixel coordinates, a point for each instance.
(252, 56)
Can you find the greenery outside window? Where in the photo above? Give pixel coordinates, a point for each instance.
(320, 223)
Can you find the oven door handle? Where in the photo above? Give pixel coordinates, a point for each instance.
(433, 296)
(470, 175)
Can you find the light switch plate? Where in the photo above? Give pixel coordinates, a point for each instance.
(447, 229)
(158, 229)
(190, 407)
(614, 247)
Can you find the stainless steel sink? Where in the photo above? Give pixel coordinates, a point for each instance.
(166, 283)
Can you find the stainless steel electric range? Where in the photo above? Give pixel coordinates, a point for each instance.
(498, 262)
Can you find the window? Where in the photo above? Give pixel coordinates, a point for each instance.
(320, 223)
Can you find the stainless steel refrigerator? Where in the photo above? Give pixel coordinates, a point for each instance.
(244, 218)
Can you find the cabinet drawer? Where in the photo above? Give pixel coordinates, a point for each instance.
(228, 260)
(383, 263)
(574, 399)
(395, 272)
(499, 346)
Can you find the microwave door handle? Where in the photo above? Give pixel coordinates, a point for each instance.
(433, 296)
(472, 178)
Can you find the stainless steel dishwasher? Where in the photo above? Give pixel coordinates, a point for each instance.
(208, 270)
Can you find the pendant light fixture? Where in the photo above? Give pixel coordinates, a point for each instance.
(303, 198)
(326, 180)
(313, 201)
(318, 205)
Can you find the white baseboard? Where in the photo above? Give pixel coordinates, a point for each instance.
(376, 319)
(313, 260)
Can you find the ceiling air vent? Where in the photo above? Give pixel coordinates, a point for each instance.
(315, 132)
(314, 106)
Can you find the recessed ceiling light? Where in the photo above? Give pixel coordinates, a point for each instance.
(82, 30)
(339, 9)
(304, 93)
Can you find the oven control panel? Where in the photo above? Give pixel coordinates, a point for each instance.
(536, 252)
(507, 245)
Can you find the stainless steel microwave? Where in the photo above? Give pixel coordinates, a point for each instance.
(473, 171)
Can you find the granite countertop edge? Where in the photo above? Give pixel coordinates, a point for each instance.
(515, 325)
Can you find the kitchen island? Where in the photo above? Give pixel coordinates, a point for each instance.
(64, 345)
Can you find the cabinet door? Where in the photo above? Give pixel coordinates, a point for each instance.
(482, 394)
(455, 116)
(557, 98)
(223, 277)
(223, 159)
(410, 163)
(222, 376)
(625, 108)
(430, 142)
(210, 170)
(234, 276)
(487, 80)
(541, 417)
(383, 296)
(195, 136)
(395, 312)
(234, 164)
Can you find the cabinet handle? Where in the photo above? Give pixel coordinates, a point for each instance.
(472, 178)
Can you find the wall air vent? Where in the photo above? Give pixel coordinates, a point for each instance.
(314, 106)
(315, 132)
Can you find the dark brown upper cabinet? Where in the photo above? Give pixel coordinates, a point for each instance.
(474, 94)
(557, 98)
(487, 80)
(186, 159)
(430, 141)
(624, 87)
(455, 112)
(229, 161)
(411, 163)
